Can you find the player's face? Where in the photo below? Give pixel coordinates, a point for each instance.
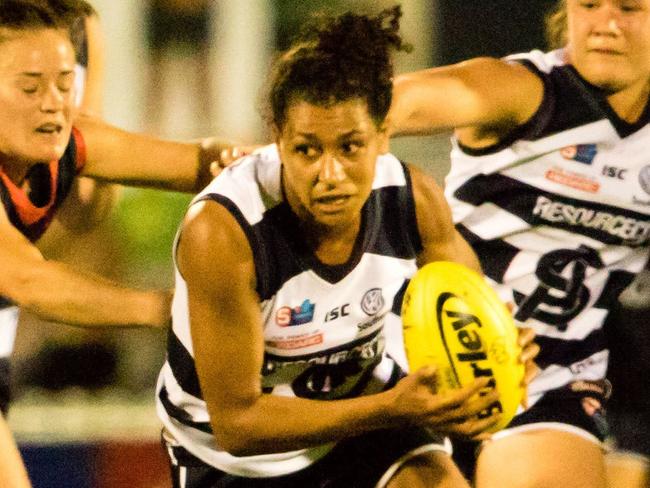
(36, 95)
(329, 155)
(609, 41)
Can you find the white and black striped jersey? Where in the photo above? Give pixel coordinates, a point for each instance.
(323, 325)
(559, 216)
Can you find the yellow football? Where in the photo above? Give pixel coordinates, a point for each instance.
(453, 319)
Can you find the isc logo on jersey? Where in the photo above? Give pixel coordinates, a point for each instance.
(452, 319)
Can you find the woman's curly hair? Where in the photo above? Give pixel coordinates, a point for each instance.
(338, 59)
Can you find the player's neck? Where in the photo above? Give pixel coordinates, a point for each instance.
(333, 245)
(630, 103)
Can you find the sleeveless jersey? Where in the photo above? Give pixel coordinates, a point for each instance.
(559, 216)
(323, 325)
(32, 213)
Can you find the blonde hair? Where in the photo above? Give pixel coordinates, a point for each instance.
(556, 26)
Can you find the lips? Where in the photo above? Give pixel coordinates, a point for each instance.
(606, 50)
(332, 202)
(49, 128)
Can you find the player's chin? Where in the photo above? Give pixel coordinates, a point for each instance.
(45, 148)
(330, 216)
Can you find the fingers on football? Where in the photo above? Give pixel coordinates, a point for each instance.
(458, 401)
(526, 336)
(465, 421)
(428, 376)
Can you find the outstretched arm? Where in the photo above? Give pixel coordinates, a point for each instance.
(56, 292)
(136, 159)
(487, 95)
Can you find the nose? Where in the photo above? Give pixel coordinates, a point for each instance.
(53, 99)
(609, 20)
(331, 170)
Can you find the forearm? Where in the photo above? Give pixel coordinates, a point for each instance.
(55, 292)
(12, 470)
(299, 423)
(140, 160)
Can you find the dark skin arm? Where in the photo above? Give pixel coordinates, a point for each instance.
(228, 346)
(442, 242)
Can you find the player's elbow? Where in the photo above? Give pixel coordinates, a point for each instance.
(236, 441)
(237, 436)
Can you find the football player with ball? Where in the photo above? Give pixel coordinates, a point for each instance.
(288, 265)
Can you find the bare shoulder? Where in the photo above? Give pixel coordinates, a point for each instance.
(212, 244)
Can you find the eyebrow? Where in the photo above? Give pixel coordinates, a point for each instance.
(311, 135)
(34, 74)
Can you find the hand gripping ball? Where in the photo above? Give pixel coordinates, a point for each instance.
(453, 319)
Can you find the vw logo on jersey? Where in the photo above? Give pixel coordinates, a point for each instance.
(644, 179)
(372, 301)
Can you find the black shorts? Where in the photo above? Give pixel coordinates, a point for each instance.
(358, 462)
(628, 336)
(578, 405)
(5, 385)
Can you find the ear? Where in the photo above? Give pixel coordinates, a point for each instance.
(276, 134)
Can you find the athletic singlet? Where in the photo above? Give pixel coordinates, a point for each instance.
(323, 325)
(559, 216)
(32, 214)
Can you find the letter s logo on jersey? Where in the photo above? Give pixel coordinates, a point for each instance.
(561, 294)
(302, 314)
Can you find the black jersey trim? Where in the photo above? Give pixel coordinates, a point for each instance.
(399, 298)
(182, 366)
(529, 129)
(569, 101)
(521, 199)
(411, 223)
(617, 281)
(65, 177)
(257, 247)
(566, 352)
(597, 99)
(181, 415)
(493, 268)
(67, 171)
(5, 385)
